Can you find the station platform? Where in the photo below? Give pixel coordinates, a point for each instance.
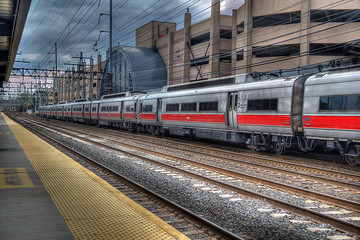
(45, 194)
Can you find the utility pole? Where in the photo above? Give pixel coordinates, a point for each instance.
(47, 89)
(81, 68)
(110, 34)
(91, 77)
(56, 79)
(54, 73)
(110, 38)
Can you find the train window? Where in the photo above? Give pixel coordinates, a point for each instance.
(86, 109)
(187, 107)
(108, 108)
(324, 103)
(147, 108)
(172, 107)
(208, 106)
(93, 109)
(337, 103)
(263, 104)
(130, 108)
(115, 108)
(340, 103)
(103, 109)
(353, 103)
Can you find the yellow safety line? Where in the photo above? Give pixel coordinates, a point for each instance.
(92, 208)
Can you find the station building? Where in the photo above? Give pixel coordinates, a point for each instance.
(259, 36)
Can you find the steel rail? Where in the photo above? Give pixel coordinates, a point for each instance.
(337, 223)
(193, 215)
(307, 193)
(202, 148)
(284, 171)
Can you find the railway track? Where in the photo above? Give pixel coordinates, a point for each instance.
(185, 221)
(338, 223)
(297, 171)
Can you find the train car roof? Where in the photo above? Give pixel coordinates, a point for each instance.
(117, 99)
(332, 77)
(78, 103)
(282, 82)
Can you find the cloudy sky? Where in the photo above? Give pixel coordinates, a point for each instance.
(74, 25)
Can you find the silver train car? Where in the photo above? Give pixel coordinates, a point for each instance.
(303, 111)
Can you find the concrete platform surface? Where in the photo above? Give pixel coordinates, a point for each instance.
(45, 194)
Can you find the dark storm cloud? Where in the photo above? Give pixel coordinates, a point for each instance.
(42, 32)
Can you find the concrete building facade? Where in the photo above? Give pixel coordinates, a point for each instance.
(259, 36)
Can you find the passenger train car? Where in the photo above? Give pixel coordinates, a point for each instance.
(303, 111)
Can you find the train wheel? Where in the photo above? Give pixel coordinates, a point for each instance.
(254, 148)
(352, 160)
(279, 148)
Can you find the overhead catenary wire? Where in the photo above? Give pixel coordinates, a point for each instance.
(201, 12)
(52, 24)
(287, 7)
(128, 24)
(95, 1)
(125, 24)
(118, 6)
(244, 46)
(32, 13)
(139, 15)
(282, 58)
(189, 63)
(42, 20)
(163, 22)
(240, 47)
(63, 31)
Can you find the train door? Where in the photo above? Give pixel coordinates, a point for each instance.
(82, 110)
(121, 110)
(232, 106)
(158, 110)
(137, 109)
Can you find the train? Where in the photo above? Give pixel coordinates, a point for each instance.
(304, 111)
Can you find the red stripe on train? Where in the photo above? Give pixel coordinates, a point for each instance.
(129, 115)
(112, 115)
(266, 120)
(333, 122)
(148, 116)
(210, 118)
